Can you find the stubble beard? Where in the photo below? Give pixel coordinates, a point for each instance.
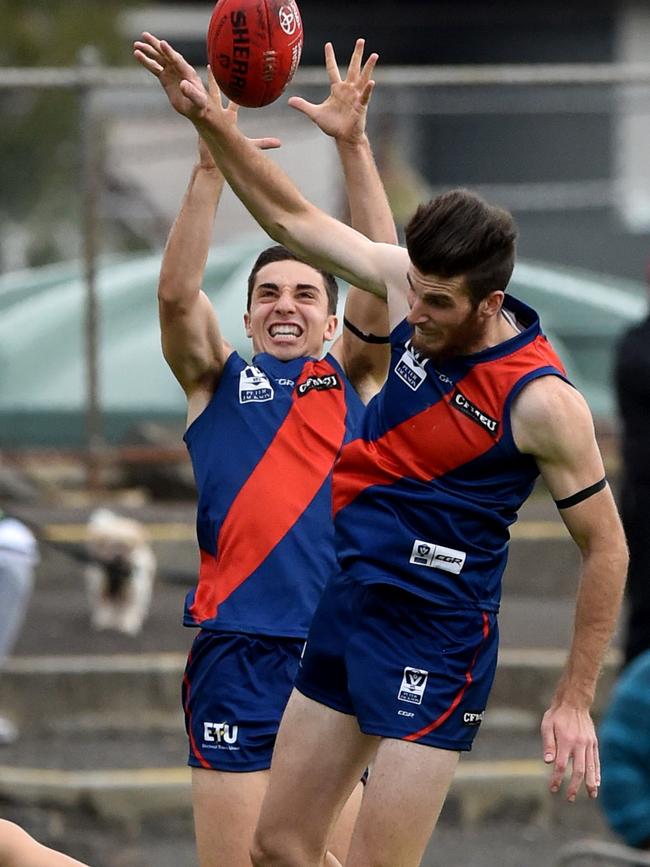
(467, 337)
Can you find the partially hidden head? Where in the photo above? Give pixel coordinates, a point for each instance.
(291, 306)
(462, 252)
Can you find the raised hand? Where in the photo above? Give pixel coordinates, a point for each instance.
(186, 92)
(343, 114)
(181, 82)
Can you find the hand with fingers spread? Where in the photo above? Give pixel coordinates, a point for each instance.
(343, 114)
(569, 741)
(181, 82)
(185, 90)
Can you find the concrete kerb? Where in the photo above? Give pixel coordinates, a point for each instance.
(42, 693)
(125, 798)
(481, 792)
(46, 693)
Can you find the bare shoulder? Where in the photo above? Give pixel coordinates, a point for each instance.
(550, 415)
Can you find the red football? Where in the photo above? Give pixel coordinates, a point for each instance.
(254, 48)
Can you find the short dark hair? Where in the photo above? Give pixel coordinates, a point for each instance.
(279, 253)
(459, 234)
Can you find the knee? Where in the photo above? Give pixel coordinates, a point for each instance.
(261, 852)
(271, 849)
(264, 851)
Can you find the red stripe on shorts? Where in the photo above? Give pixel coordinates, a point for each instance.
(459, 695)
(195, 749)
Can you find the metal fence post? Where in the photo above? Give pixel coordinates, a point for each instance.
(88, 138)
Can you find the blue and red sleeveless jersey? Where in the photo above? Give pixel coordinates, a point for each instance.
(423, 498)
(262, 453)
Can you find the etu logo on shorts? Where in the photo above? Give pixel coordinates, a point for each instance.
(414, 682)
(222, 735)
(437, 557)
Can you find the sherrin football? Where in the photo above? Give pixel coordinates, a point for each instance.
(254, 48)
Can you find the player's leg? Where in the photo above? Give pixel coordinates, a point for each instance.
(339, 841)
(418, 677)
(235, 689)
(319, 757)
(404, 795)
(226, 807)
(18, 849)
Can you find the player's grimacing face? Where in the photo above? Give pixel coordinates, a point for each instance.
(445, 322)
(288, 316)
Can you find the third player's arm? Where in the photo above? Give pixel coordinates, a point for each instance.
(552, 422)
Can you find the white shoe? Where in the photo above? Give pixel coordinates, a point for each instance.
(8, 731)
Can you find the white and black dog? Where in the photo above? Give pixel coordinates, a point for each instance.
(120, 572)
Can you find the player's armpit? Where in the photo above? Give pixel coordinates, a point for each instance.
(192, 343)
(552, 422)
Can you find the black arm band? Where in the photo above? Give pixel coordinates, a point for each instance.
(584, 494)
(364, 335)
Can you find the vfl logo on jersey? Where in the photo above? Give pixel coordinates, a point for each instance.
(473, 717)
(220, 736)
(254, 386)
(414, 682)
(320, 383)
(437, 557)
(410, 367)
(462, 404)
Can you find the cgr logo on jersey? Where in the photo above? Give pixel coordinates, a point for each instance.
(464, 405)
(437, 557)
(220, 736)
(410, 367)
(254, 386)
(320, 383)
(414, 682)
(473, 717)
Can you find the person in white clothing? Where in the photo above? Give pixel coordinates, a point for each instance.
(18, 558)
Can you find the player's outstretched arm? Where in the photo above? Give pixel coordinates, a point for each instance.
(343, 116)
(264, 189)
(552, 422)
(18, 849)
(191, 339)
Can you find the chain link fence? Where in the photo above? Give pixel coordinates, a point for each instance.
(94, 164)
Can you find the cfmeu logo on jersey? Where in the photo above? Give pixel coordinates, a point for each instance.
(320, 383)
(254, 386)
(220, 736)
(414, 682)
(465, 405)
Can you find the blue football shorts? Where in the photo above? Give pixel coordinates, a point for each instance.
(235, 689)
(405, 667)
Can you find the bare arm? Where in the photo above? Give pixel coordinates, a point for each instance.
(191, 339)
(192, 342)
(343, 116)
(18, 849)
(552, 422)
(264, 189)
